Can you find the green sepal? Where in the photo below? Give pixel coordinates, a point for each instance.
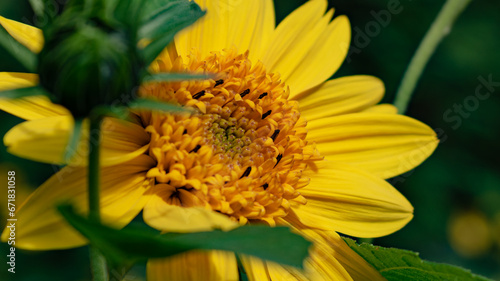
(160, 28)
(23, 92)
(169, 77)
(72, 146)
(22, 54)
(396, 264)
(277, 244)
(151, 104)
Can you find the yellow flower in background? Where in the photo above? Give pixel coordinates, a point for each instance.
(270, 142)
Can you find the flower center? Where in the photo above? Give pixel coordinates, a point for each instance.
(242, 151)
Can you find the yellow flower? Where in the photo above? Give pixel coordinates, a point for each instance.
(270, 142)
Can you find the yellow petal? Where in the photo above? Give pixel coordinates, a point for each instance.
(246, 25)
(355, 265)
(45, 140)
(322, 263)
(28, 108)
(323, 59)
(39, 226)
(255, 268)
(28, 35)
(14, 80)
(382, 108)
(341, 96)
(295, 36)
(194, 265)
(251, 26)
(384, 144)
(170, 218)
(280, 273)
(348, 200)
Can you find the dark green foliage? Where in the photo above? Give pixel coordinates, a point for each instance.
(276, 244)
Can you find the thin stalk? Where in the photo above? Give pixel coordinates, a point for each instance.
(94, 171)
(438, 30)
(97, 260)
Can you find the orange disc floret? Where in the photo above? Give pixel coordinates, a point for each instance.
(242, 150)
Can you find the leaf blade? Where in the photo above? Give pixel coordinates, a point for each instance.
(396, 264)
(174, 76)
(23, 92)
(160, 28)
(151, 104)
(134, 243)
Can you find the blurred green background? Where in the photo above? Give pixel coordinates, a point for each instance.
(456, 193)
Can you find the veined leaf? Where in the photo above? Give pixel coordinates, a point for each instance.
(151, 104)
(395, 265)
(276, 244)
(23, 92)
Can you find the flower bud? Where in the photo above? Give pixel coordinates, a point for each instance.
(86, 64)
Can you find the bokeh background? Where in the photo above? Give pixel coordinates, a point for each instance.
(456, 192)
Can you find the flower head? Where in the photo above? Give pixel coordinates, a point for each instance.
(269, 142)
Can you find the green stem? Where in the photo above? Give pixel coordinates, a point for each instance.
(98, 265)
(439, 28)
(97, 260)
(94, 171)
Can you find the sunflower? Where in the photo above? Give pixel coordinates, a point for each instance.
(270, 141)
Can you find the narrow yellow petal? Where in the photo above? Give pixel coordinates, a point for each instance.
(45, 140)
(321, 265)
(28, 108)
(278, 272)
(295, 36)
(42, 140)
(28, 35)
(194, 265)
(246, 25)
(14, 80)
(251, 26)
(41, 227)
(341, 96)
(209, 33)
(384, 144)
(170, 218)
(348, 200)
(382, 108)
(255, 268)
(323, 59)
(355, 265)
(349, 264)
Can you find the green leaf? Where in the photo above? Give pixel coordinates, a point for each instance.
(23, 92)
(161, 27)
(395, 264)
(22, 54)
(150, 104)
(276, 244)
(168, 77)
